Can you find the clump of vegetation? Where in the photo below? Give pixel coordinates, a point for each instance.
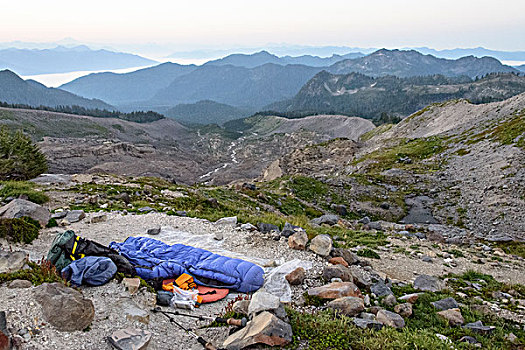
(19, 230)
(20, 159)
(513, 248)
(38, 273)
(368, 253)
(22, 188)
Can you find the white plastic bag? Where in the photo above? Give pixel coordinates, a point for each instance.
(275, 282)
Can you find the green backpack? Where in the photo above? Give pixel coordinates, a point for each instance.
(58, 255)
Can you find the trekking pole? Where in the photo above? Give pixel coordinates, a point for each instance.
(204, 343)
(230, 321)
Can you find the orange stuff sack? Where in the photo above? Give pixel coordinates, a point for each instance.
(209, 295)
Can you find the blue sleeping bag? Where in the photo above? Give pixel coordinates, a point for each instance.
(155, 259)
(90, 270)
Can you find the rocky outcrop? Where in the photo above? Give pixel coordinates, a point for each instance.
(18, 208)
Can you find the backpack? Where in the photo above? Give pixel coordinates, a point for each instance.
(58, 254)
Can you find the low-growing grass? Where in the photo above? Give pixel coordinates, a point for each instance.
(17, 188)
(368, 253)
(514, 248)
(20, 230)
(38, 273)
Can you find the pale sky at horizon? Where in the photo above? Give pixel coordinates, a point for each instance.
(229, 23)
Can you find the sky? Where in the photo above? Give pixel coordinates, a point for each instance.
(187, 25)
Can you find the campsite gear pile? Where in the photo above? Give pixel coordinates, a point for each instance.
(184, 277)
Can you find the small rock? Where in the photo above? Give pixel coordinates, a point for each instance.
(241, 307)
(135, 313)
(65, 308)
(132, 285)
(468, 339)
(267, 228)
(75, 215)
(298, 241)
(130, 339)
(12, 261)
(326, 219)
(321, 245)
(59, 215)
(367, 324)
(218, 236)
(428, 283)
(426, 258)
(145, 209)
(338, 261)
(182, 213)
(453, 316)
(511, 337)
(19, 284)
(230, 221)
(263, 301)
(335, 290)
(350, 257)
(153, 231)
(411, 298)
(478, 327)
(290, 229)
(99, 218)
(248, 227)
(296, 277)
(337, 271)
(349, 306)
(390, 300)
(339, 209)
(390, 319)
(405, 310)
(380, 289)
(265, 328)
(445, 304)
(364, 220)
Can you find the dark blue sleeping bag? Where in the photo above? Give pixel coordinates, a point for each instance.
(154, 259)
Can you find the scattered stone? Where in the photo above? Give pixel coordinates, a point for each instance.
(367, 324)
(337, 271)
(132, 285)
(390, 300)
(321, 245)
(468, 339)
(445, 304)
(410, 298)
(99, 218)
(298, 241)
(443, 338)
(124, 196)
(135, 313)
(230, 221)
(12, 261)
(218, 236)
(248, 227)
(405, 310)
(364, 220)
(263, 301)
(130, 339)
(511, 337)
(328, 219)
(336, 290)
(267, 228)
(265, 328)
(375, 309)
(18, 208)
(241, 307)
(428, 283)
(296, 277)
(339, 209)
(427, 259)
(75, 216)
(290, 229)
(478, 327)
(153, 231)
(452, 316)
(145, 209)
(59, 215)
(19, 284)
(349, 306)
(350, 257)
(182, 213)
(380, 289)
(338, 261)
(390, 319)
(63, 307)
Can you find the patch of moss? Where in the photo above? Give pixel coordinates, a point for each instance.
(22, 188)
(368, 253)
(38, 273)
(19, 230)
(513, 248)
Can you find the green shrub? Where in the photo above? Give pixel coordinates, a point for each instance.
(22, 188)
(368, 253)
(52, 223)
(20, 159)
(19, 230)
(38, 273)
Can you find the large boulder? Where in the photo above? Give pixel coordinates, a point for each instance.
(18, 208)
(390, 319)
(350, 257)
(321, 245)
(452, 316)
(267, 228)
(428, 283)
(380, 289)
(12, 261)
(361, 277)
(349, 306)
(263, 301)
(337, 271)
(445, 304)
(64, 308)
(264, 328)
(75, 216)
(336, 290)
